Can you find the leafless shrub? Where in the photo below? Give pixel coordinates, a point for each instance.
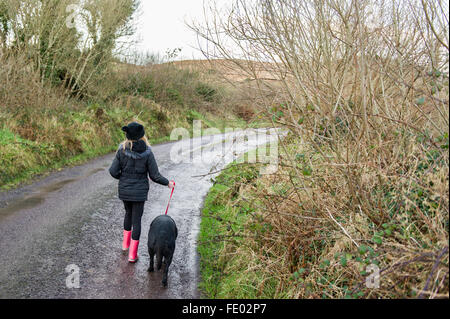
(363, 88)
(72, 42)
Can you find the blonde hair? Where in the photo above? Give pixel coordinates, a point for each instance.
(129, 143)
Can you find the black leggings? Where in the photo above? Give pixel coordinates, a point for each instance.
(133, 215)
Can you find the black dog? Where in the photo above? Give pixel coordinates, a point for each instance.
(161, 241)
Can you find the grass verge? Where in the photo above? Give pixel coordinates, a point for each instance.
(260, 237)
(225, 215)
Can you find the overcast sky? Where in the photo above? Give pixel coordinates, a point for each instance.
(162, 26)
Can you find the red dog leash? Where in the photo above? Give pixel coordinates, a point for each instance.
(170, 197)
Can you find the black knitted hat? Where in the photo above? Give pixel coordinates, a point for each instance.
(134, 131)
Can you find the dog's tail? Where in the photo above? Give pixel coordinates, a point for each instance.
(159, 257)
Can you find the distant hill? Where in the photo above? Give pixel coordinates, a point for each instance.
(232, 70)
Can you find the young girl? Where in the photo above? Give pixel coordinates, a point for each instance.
(135, 161)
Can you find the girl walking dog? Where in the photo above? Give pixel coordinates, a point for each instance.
(133, 163)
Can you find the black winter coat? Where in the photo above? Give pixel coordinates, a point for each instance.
(132, 168)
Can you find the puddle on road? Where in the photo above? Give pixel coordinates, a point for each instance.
(56, 186)
(96, 170)
(40, 194)
(26, 203)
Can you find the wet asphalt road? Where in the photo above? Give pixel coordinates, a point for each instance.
(74, 217)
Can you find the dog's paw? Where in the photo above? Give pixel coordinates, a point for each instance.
(164, 282)
(150, 269)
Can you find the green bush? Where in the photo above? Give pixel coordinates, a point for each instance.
(206, 92)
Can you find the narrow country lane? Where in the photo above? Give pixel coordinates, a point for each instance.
(74, 217)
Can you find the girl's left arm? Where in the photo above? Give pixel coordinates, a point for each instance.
(153, 171)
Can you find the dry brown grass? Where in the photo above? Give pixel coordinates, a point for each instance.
(306, 236)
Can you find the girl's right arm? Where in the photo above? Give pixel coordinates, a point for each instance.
(115, 170)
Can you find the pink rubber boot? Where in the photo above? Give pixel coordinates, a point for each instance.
(132, 254)
(126, 240)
